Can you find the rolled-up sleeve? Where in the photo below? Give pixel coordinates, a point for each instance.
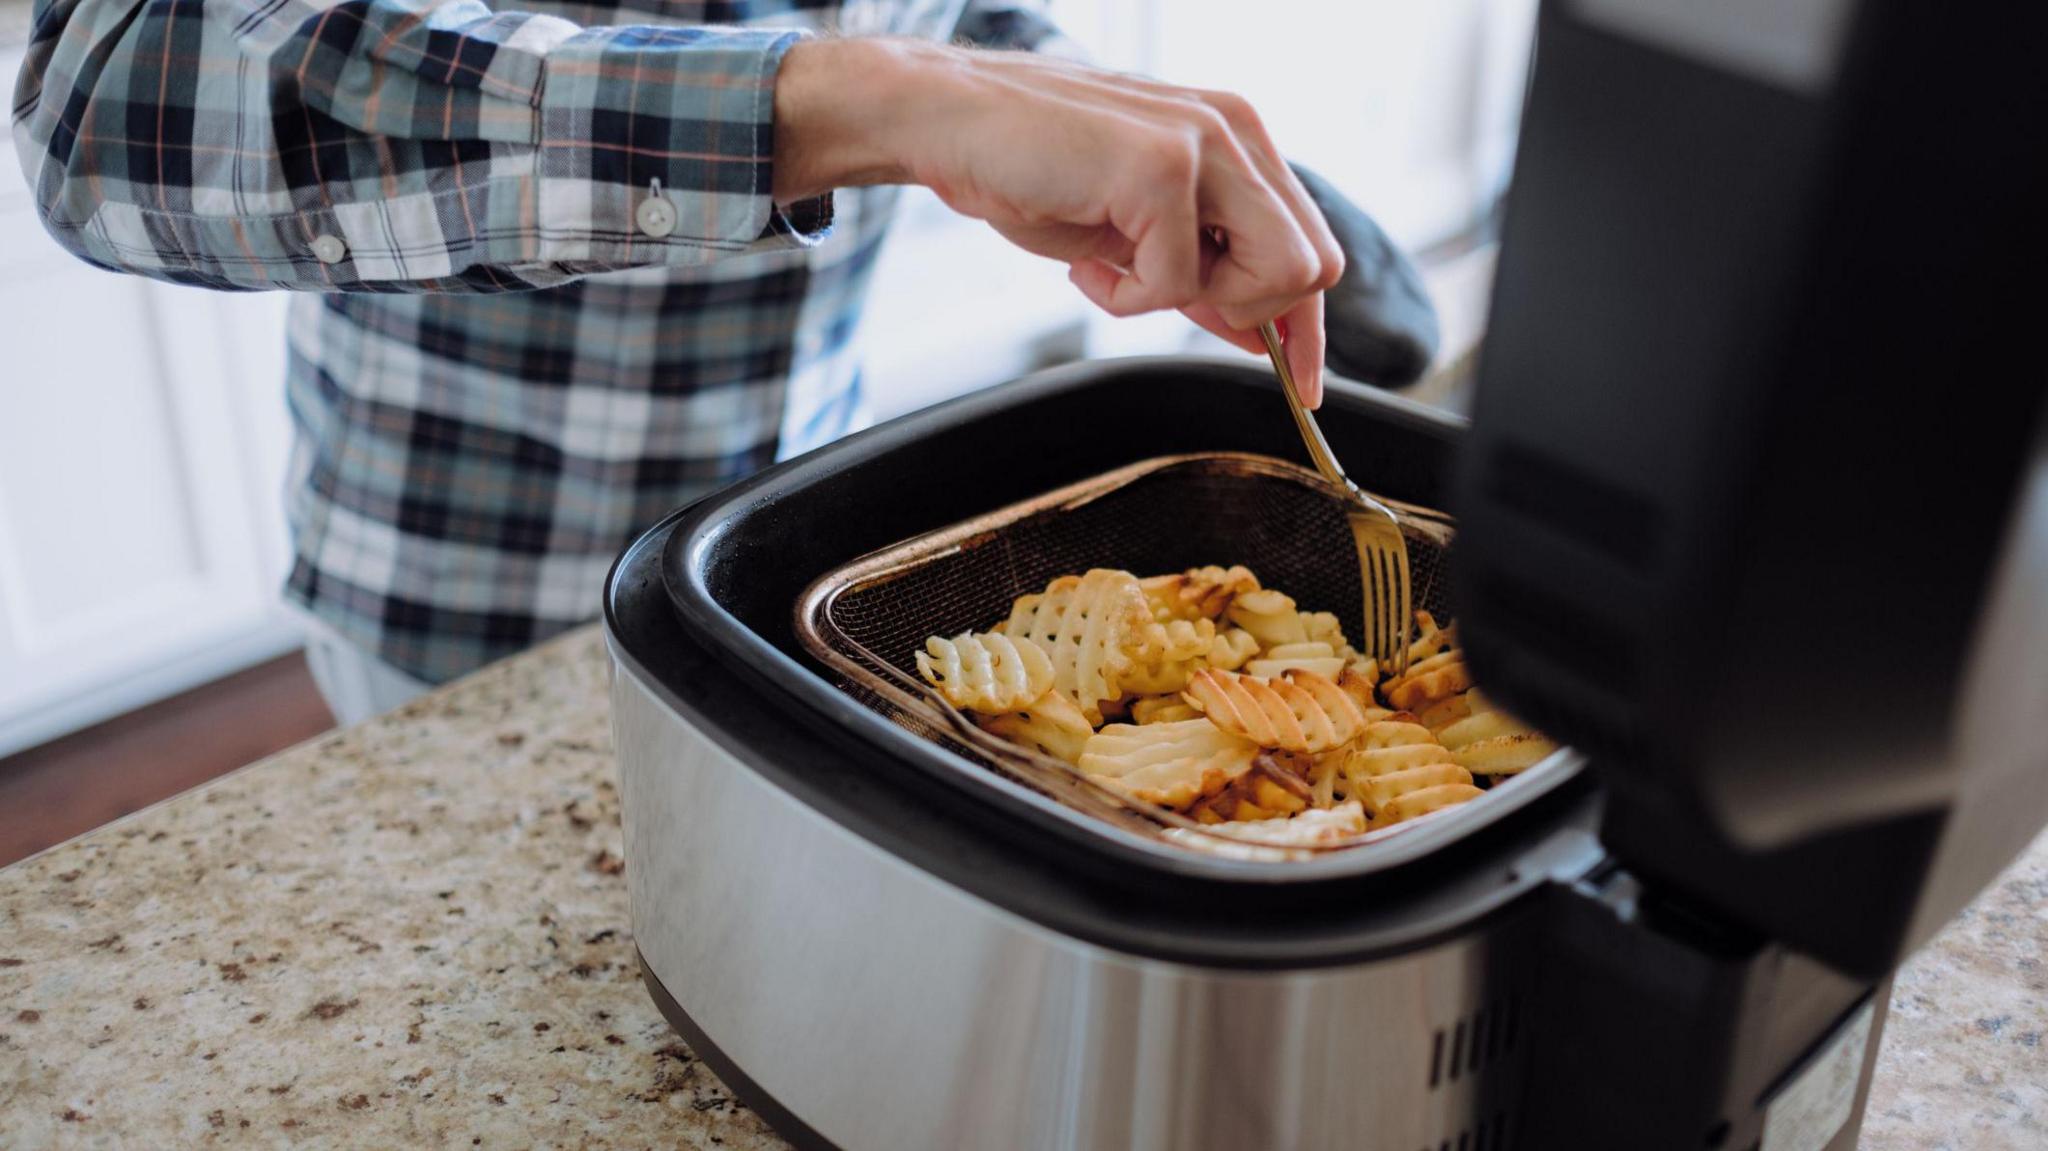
(397, 145)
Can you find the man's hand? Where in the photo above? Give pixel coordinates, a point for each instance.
(1153, 196)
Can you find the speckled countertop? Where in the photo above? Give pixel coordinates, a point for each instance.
(414, 933)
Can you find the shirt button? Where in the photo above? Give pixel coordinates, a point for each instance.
(329, 249)
(655, 215)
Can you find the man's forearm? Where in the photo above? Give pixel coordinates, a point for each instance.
(845, 109)
(543, 149)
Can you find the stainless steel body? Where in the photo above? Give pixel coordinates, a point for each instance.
(888, 1009)
(877, 943)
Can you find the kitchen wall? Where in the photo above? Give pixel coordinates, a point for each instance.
(142, 430)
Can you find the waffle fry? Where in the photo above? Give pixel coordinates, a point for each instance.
(1492, 742)
(1449, 710)
(1198, 593)
(1270, 616)
(1050, 724)
(1231, 649)
(1277, 839)
(1324, 627)
(1180, 639)
(1419, 803)
(1430, 639)
(1091, 626)
(1378, 791)
(1162, 709)
(1243, 712)
(985, 673)
(1359, 680)
(1436, 678)
(1390, 745)
(1312, 656)
(1273, 789)
(1171, 764)
(1304, 712)
(1168, 654)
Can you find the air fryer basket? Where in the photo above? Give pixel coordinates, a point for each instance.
(866, 619)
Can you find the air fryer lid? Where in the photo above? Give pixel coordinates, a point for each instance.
(1744, 462)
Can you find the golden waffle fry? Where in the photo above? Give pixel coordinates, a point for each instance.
(1303, 712)
(1429, 639)
(1180, 639)
(1402, 808)
(1091, 626)
(1483, 724)
(1325, 775)
(1448, 710)
(1358, 680)
(1198, 593)
(1169, 653)
(1483, 738)
(985, 673)
(1389, 745)
(1381, 790)
(1438, 677)
(1162, 709)
(1270, 617)
(1345, 715)
(1230, 649)
(1051, 724)
(1505, 754)
(1244, 711)
(1313, 656)
(1272, 839)
(1324, 627)
(1311, 649)
(1272, 789)
(1173, 764)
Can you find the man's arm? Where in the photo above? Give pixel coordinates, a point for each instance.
(396, 144)
(1153, 195)
(392, 145)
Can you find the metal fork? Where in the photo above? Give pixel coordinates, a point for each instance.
(1382, 549)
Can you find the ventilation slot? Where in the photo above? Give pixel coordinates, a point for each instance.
(1491, 1134)
(1472, 1043)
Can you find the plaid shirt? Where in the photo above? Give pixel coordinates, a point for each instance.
(549, 296)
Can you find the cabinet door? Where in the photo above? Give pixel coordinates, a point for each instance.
(141, 447)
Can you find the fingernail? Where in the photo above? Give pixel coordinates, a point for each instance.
(1280, 326)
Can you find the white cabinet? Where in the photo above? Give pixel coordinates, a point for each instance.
(142, 441)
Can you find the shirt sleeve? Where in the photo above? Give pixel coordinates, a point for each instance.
(397, 145)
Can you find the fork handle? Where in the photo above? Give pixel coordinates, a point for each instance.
(1311, 432)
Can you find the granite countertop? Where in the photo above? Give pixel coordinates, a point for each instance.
(414, 933)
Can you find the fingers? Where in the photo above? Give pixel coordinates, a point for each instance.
(1245, 184)
(1301, 335)
(1245, 122)
(1141, 175)
(1166, 237)
(1209, 320)
(1304, 341)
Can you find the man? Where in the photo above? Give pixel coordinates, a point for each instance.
(560, 279)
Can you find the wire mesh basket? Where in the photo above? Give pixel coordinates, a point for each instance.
(867, 619)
